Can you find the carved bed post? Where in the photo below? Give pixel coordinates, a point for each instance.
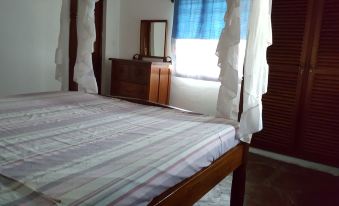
(73, 43)
(239, 181)
(239, 175)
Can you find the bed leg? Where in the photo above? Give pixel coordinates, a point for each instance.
(239, 180)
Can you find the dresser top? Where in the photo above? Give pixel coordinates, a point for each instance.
(153, 63)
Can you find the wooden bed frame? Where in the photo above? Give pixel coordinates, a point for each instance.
(194, 188)
(191, 189)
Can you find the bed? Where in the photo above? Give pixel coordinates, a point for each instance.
(72, 148)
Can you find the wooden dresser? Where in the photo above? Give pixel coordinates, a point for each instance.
(141, 79)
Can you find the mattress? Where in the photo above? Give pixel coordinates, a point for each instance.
(70, 148)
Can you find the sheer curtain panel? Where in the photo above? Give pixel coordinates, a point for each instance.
(61, 54)
(243, 44)
(231, 52)
(256, 68)
(83, 69)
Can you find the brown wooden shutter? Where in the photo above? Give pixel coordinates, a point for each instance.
(286, 58)
(320, 132)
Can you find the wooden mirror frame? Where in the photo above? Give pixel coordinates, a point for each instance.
(145, 38)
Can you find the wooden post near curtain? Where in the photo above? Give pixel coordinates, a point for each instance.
(74, 45)
(239, 174)
(239, 180)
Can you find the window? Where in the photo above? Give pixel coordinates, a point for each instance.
(196, 30)
(197, 27)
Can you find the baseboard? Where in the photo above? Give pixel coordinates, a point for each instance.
(292, 160)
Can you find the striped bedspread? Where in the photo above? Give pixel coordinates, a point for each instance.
(79, 149)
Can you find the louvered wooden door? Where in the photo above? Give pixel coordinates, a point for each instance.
(320, 128)
(287, 58)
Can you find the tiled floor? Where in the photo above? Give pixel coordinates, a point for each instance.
(275, 183)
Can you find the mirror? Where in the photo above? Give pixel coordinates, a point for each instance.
(153, 38)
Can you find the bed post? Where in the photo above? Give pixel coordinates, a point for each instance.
(239, 174)
(239, 180)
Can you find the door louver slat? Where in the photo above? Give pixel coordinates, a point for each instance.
(320, 140)
(279, 116)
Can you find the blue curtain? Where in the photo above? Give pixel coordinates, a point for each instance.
(204, 19)
(198, 19)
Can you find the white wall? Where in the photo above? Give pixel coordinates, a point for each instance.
(131, 12)
(195, 95)
(199, 96)
(111, 41)
(28, 39)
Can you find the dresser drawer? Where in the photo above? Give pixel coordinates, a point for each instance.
(127, 89)
(131, 72)
(140, 79)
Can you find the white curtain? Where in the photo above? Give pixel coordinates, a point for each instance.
(83, 70)
(230, 51)
(256, 68)
(231, 54)
(61, 54)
